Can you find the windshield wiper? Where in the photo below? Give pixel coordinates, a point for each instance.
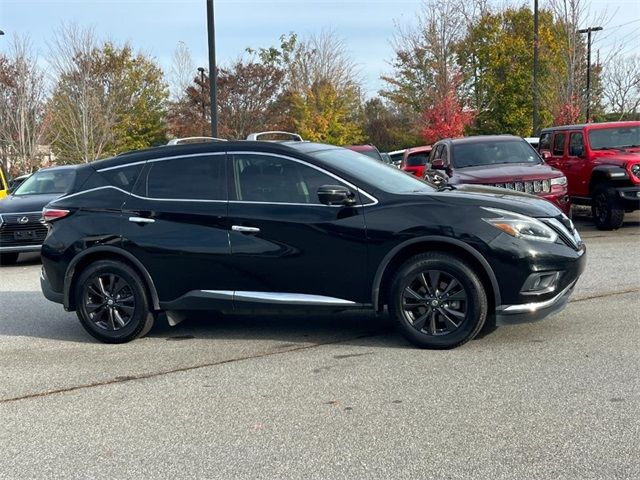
(446, 186)
(629, 146)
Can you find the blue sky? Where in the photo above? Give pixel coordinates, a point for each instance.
(155, 26)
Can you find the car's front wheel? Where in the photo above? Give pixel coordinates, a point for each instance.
(438, 301)
(112, 303)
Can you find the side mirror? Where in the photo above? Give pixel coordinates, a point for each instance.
(336, 195)
(545, 154)
(437, 164)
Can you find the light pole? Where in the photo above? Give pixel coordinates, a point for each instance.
(201, 70)
(588, 32)
(213, 70)
(534, 90)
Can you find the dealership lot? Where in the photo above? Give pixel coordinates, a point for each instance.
(338, 396)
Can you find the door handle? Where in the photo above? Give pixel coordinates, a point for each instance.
(240, 228)
(141, 220)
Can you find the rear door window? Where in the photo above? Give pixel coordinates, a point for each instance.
(558, 144)
(193, 178)
(576, 144)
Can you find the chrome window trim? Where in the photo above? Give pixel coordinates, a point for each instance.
(373, 199)
(137, 196)
(280, 297)
(162, 159)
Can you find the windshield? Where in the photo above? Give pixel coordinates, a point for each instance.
(47, 182)
(378, 174)
(417, 159)
(494, 153)
(618, 137)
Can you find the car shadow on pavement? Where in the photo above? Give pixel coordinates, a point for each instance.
(29, 314)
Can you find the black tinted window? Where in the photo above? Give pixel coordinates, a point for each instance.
(124, 177)
(263, 178)
(197, 178)
(493, 153)
(558, 144)
(417, 159)
(576, 144)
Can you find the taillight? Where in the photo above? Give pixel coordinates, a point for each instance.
(50, 214)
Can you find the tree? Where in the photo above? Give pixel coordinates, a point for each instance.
(445, 119)
(182, 70)
(22, 99)
(106, 100)
(622, 86)
(389, 127)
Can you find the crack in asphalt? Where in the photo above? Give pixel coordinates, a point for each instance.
(143, 376)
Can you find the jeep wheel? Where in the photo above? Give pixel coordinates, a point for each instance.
(607, 211)
(438, 301)
(112, 302)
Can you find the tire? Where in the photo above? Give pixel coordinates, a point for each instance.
(8, 258)
(427, 326)
(607, 211)
(112, 303)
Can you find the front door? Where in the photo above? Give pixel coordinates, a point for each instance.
(175, 224)
(575, 164)
(287, 246)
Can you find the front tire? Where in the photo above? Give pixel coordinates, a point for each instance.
(607, 211)
(438, 301)
(112, 303)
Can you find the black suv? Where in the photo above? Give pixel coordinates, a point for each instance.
(255, 226)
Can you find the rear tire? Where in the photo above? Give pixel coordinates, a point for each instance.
(438, 301)
(112, 303)
(8, 258)
(607, 210)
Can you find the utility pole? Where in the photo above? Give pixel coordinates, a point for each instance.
(213, 70)
(588, 32)
(534, 90)
(204, 116)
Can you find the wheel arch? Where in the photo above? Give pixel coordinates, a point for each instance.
(394, 258)
(607, 174)
(105, 252)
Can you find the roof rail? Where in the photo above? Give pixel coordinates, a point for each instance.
(256, 136)
(180, 141)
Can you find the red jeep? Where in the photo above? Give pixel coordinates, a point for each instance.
(414, 159)
(602, 164)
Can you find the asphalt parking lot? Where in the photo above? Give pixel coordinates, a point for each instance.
(338, 396)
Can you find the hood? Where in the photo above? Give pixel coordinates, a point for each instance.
(480, 196)
(631, 155)
(516, 172)
(26, 203)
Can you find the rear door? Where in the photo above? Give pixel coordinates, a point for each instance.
(558, 147)
(289, 247)
(175, 223)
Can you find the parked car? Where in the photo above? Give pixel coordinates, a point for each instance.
(15, 182)
(369, 150)
(602, 163)
(501, 161)
(414, 160)
(4, 181)
(21, 224)
(396, 157)
(258, 226)
(386, 158)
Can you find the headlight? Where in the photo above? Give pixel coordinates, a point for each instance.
(559, 181)
(635, 169)
(521, 226)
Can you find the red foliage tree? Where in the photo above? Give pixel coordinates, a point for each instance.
(445, 119)
(567, 114)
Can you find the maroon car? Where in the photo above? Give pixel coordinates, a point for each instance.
(497, 161)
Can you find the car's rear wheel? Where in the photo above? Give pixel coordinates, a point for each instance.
(8, 258)
(112, 302)
(607, 210)
(438, 301)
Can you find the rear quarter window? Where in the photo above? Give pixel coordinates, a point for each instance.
(123, 177)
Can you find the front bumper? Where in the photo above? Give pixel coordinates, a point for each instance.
(534, 311)
(48, 291)
(21, 248)
(630, 197)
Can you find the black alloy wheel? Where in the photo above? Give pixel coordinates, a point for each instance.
(435, 302)
(112, 303)
(109, 301)
(438, 301)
